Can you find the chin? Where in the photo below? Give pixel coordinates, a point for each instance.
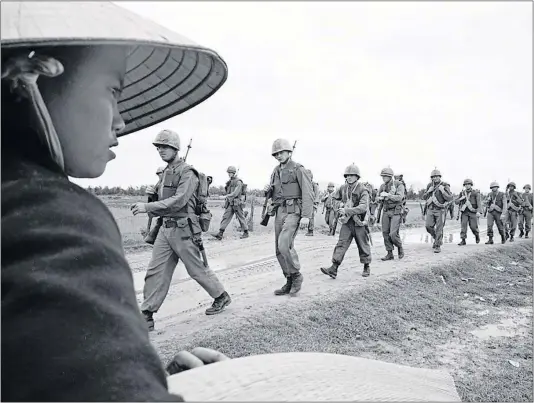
(95, 171)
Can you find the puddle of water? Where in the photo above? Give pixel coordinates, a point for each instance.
(449, 237)
(506, 328)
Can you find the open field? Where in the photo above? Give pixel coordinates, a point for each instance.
(467, 310)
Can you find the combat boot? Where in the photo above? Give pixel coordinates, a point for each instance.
(389, 256)
(437, 249)
(490, 241)
(366, 270)
(401, 252)
(147, 315)
(511, 238)
(219, 236)
(521, 233)
(309, 233)
(526, 235)
(296, 284)
(330, 271)
(245, 235)
(503, 238)
(219, 304)
(285, 288)
(477, 238)
(462, 242)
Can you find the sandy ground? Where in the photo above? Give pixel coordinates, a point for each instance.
(250, 272)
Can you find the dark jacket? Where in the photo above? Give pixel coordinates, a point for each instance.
(71, 326)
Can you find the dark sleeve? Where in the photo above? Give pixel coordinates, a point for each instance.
(71, 326)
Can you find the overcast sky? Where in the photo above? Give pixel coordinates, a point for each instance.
(410, 85)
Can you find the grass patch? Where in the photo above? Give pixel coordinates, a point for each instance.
(414, 320)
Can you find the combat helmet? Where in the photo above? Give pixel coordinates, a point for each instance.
(352, 170)
(511, 184)
(468, 182)
(231, 169)
(494, 184)
(331, 184)
(167, 138)
(435, 172)
(387, 172)
(527, 186)
(33, 28)
(281, 145)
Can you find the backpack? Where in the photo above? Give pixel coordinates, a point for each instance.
(244, 190)
(201, 209)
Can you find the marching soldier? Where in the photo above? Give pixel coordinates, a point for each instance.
(526, 216)
(515, 203)
(177, 203)
(437, 195)
(293, 199)
(391, 194)
(496, 207)
(233, 204)
(470, 205)
(329, 205)
(353, 214)
(316, 200)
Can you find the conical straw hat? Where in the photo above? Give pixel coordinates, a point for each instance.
(312, 377)
(167, 74)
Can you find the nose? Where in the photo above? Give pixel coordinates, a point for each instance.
(118, 124)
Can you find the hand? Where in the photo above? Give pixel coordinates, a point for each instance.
(384, 194)
(150, 190)
(478, 214)
(198, 357)
(341, 210)
(441, 188)
(138, 208)
(266, 188)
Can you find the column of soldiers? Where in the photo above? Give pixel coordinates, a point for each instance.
(294, 200)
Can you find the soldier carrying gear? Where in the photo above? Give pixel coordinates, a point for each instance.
(233, 204)
(292, 204)
(354, 215)
(391, 195)
(525, 218)
(438, 194)
(69, 89)
(177, 205)
(496, 211)
(315, 203)
(329, 203)
(515, 204)
(470, 205)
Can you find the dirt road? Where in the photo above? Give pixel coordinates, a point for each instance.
(250, 272)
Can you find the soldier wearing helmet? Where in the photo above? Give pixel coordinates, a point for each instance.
(515, 205)
(291, 191)
(316, 201)
(354, 216)
(329, 204)
(67, 94)
(391, 195)
(438, 195)
(496, 211)
(525, 218)
(176, 205)
(233, 204)
(470, 205)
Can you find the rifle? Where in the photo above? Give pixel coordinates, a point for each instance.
(152, 234)
(268, 198)
(460, 205)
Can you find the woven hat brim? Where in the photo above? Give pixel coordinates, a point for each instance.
(167, 74)
(312, 377)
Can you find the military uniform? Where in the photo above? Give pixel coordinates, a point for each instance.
(392, 212)
(316, 200)
(497, 205)
(525, 217)
(515, 203)
(329, 206)
(355, 199)
(437, 196)
(293, 198)
(470, 204)
(233, 205)
(177, 204)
